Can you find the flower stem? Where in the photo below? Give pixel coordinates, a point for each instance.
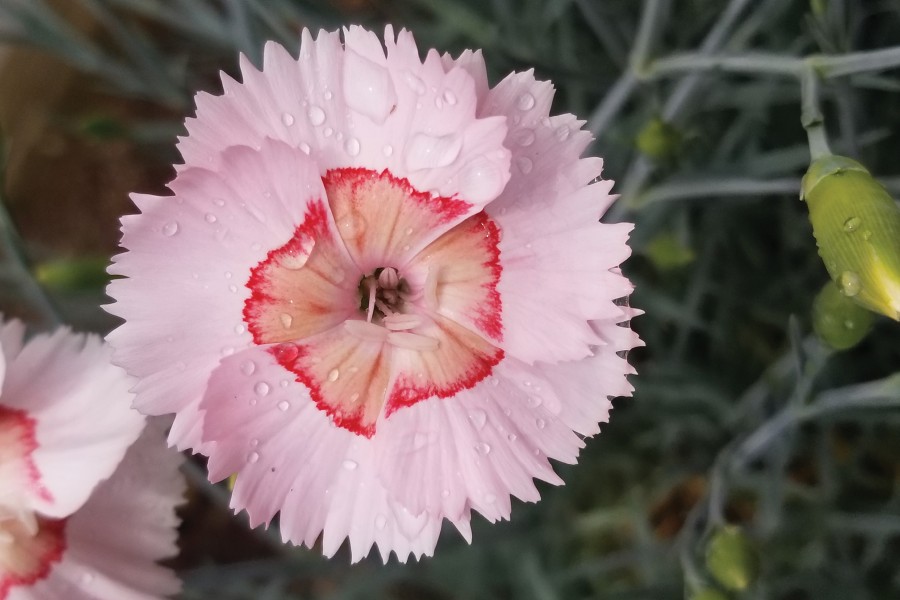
(811, 114)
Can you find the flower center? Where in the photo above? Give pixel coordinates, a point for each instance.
(377, 318)
(382, 294)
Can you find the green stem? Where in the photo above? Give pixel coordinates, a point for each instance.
(811, 114)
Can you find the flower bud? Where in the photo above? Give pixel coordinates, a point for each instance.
(658, 140)
(731, 559)
(73, 275)
(837, 320)
(857, 228)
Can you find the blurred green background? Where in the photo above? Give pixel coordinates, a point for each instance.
(752, 462)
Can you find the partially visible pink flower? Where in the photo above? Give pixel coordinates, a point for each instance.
(79, 516)
(380, 294)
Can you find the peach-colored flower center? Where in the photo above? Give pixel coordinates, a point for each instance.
(384, 296)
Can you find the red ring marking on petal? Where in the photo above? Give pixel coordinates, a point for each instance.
(18, 442)
(303, 287)
(27, 559)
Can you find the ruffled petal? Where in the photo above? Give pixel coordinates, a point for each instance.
(80, 406)
(200, 247)
(290, 457)
(113, 542)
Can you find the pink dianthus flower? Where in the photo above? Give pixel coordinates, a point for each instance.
(86, 500)
(380, 293)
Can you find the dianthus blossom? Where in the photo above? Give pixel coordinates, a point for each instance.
(85, 510)
(380, 293)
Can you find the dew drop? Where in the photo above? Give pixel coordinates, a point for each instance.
(333, 375)
(210, 218)
(352, 146)
(286, 320)
(428, 152)
(248, 368)
(328, 95)
(524, 164)
(478, 418)
(261, 388)
(483, 448)
(414, 83)
(380, 522)
(354, 397)
(287, 119)
(239, 328)
(284, 405)
(232, 288)
(495, 382)
(523, 137)
(867, 235)
(449, 97)
(254, 443)
(284, 383)
(525, 102)
(327, 131)
(352, 225)
(388, 150)
(540, 423)
(481, 181)
(850, 283)
(350, 465)
(439, 103)
(512, 437)
(445, 493)
(852, 224)
(252, 402)
(253, 457)
(170, 229)
(316, 115)
(227, 350)
(219, 202)
(304, 147)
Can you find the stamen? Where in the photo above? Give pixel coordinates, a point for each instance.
(384, 308)
(389, 279)
(373, 290)
(412, 341)
(401, 322)
(369, 332)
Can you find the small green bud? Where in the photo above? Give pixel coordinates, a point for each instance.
(731, 559)
(857, 228)
(708, 594)
(73, 275)
(837, 320)
(658, 140)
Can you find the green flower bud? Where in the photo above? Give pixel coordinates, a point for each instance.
(73, 275)
(658, 140)
(837, 320)
(857, 229)
(731, 559)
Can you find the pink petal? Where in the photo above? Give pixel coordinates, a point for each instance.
(115, 539)
(80, 406)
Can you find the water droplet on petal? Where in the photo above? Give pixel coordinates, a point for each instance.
(287, 119)
(354, 397)
(449, 97)
(253, 457)
(852, 224)
(240, 328)
(850, 283)
(523, 137)
(328, 95)
(380, 522)
(261, 388)
(254, 442)
(483, 448)
(525, 101)
(445, 493)
(414, 83)
(327, 131)
(352, 146)
(333, 375)
(350, 465)
(351, 225)
(170, 229)
(524, 164)
(478, 418)
(481, 181)
(284, 405)
(540, 423)
(227, 350)
(316, 115)
(248, 368)
(219, 202)
(429, 152)
(512, 437)
(210, 218)
(304, 147)
(286, 320)
(388, 150)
